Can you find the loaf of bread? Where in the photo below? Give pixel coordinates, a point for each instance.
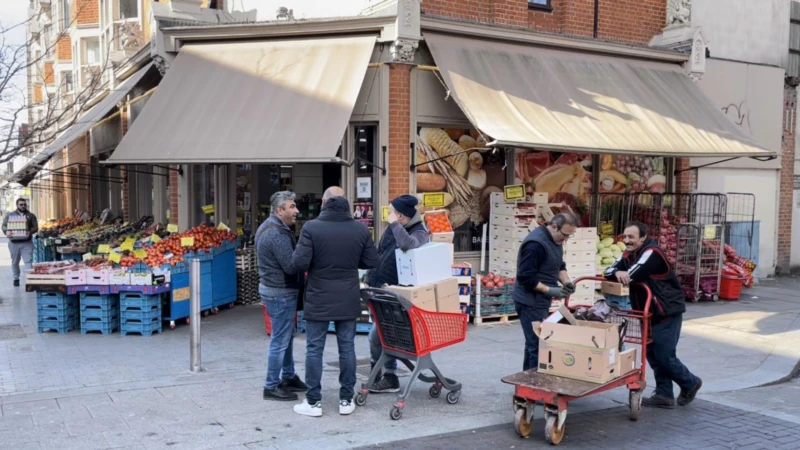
(444, 147)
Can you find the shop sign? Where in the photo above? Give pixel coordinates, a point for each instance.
(208, 209)
(514, 193)
(180, 295)
(103, 249)
(187, 241)
(172, 228)
(433, 200)
(114, 257)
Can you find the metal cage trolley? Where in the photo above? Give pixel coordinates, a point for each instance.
(556, 392)
(411, 334)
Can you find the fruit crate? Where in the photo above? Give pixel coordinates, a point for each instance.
(138, 301)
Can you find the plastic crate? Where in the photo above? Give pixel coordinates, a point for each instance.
(104, 327)
(140, 315)
(99, 313)
(48, 311)
(60, 326)
(55, 299)
(102, 301)
(138, 300)
(145, 328)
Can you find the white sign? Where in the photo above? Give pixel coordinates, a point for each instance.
(364, 187)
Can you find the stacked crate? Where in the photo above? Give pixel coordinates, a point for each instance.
(56, 311)
(247, 276)
(510, 223)
(140, 313)
(580, 252)
(99, 312)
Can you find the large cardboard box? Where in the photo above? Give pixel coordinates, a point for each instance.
(614, 288)
(627, 361)
(447, 295)
(423, 296)
(428, 264)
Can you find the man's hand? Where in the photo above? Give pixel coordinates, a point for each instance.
(623, 277)
(392, 215)
(556, 292)
(568, 288)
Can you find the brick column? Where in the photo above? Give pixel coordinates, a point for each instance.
(174, 180)
(786, 191)
(399, 126)
(686, 181)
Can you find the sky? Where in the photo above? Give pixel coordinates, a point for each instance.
(13, 12)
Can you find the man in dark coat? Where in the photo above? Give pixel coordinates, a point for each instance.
(645, 262)
(332, 248)
(405, 232)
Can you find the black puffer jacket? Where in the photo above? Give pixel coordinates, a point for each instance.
(332, 248)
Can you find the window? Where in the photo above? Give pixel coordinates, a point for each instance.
(128, 9)
(65, 13)
(92, 52)
(540, 4)
(68, 85)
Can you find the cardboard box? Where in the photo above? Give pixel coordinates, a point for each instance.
(446, 238)
(507, 273)
(595, 365)
(514, 209)
(423, 296)
(75, 277)
(97, 277)
(614, 288)
(446, 288)
(428, 264)
(577, 245)
(505, 243)
(462, 270)
(587, 233)
(579, 256)
(585, 334)
(539, 198)
(513, 221)
(515, 233)
(141, 279)
(119, 277)
(583, 269)
(627, 361)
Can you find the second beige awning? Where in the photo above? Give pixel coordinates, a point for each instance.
(525, 96)
(251, 102)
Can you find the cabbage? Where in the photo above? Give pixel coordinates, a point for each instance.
(609, 261)
(606, 253)
(616, 251)
(621, 246)
(607, 242)
(600, 246)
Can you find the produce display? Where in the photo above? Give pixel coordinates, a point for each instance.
(52, 268)
(54, 228)
(172, 250)
(492, 281)
(608, 251)
(437, 222)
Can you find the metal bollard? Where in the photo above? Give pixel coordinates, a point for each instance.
(194, 316)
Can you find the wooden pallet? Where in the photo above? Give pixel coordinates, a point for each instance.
(499, 318)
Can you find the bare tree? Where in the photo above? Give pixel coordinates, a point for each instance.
(58, 110)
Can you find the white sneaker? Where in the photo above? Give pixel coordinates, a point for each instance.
(304, 409)
(346, 407)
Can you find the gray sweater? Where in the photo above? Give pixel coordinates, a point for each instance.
(275, 245)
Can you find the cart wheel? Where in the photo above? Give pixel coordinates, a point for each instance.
(231, 305)
(452, 397)
(216, 311)
(714, 298)
(552, 434)
(361, 399)
(188, 321)
(435, 391)
(205, 313)
(395, 413)
(635, 404)
(172, 325)
(521, 424)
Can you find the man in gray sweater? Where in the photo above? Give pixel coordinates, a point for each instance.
(280, 287)
(20, 238)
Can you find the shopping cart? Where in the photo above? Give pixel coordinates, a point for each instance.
(556, 392)
(411, 334)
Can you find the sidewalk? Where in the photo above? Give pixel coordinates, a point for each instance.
(93, 391)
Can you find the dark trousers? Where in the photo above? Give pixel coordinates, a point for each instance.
(316, 335)
(662, 357)
(528, 315)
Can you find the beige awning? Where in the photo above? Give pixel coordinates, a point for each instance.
(524, 96)
(251, 102)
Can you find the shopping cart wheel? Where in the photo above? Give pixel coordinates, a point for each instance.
(635, 404)
(171, 324)
(396, 413)
(361, 399)
(521, 424)
(452, 397)
(551, 432)
(435, 391)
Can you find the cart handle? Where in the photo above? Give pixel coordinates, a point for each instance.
(644, 285)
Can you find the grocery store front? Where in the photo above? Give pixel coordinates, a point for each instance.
(580, 126)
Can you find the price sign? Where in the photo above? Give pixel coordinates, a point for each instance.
(180, 295)
(141, 254)
(187, 241)
(239, 231)
(224, 227)
(87, 256)
(126, 246)
(433, 200)
(172, 228)
(208, 209)
(384, 213)
(155, 239)
(514, 192)
(115, 257)
(103, 249)
(710, 232)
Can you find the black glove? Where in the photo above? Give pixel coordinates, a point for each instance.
(555, 292)
(568, 288)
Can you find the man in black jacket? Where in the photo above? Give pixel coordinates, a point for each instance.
(332, 248)
(645, 262)
(405, 232)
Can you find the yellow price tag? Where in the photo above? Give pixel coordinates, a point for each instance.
(126, 246)
(115, 257)
(172, 228)
(223, 227)
(384, 213)
(103, 249)
(710, 232)
(187, 241)
(239, 231)
(141, 254)
(87, 256)
(155, 239)
(514, 192)
(208, 209)
(433, 200)
(240, 220)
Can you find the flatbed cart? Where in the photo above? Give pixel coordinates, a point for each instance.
(556, 392)
(411, 334)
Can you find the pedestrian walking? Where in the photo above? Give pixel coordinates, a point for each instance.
(540, 269)
(406, 232)
(644, 262)
(332, 248)
(280, 286)
(20, 236)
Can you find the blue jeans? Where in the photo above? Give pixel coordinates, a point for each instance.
(316, 334)
(280, 358)
(375, 350)
(661, 355)
(528, 315)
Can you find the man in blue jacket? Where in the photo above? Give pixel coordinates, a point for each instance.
(279, 288)
(405, 232)
(332, 248)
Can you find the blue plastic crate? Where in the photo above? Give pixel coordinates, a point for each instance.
(55, 300)
(141, 315)
(143, 328)
(102, 301)
(139, 305)
(71, 257)
(138, 301)
(56, 313)
(99, 313)
(104, 327)
(59, 327)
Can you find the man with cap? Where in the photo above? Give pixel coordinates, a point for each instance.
(406, 232)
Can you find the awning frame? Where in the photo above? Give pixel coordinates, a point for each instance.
(757, 158)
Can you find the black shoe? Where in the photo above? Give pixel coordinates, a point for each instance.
(388, 384)
(16, 282)
(687, 397)
(659, 401)
(279, 395)
(293, 385)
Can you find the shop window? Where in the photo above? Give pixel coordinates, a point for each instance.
(467, 179)
(365, 207)
(203, 188)
(244, 198)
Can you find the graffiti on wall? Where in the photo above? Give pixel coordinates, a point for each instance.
(740, 114)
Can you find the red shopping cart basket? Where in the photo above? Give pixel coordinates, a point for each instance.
(408, 334)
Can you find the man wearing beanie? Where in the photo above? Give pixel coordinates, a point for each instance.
(405, 232)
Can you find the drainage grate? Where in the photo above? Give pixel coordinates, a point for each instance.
(8, 332)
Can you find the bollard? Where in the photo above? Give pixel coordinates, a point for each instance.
(194, 316)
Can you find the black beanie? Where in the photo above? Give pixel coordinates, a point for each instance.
(406, 205)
